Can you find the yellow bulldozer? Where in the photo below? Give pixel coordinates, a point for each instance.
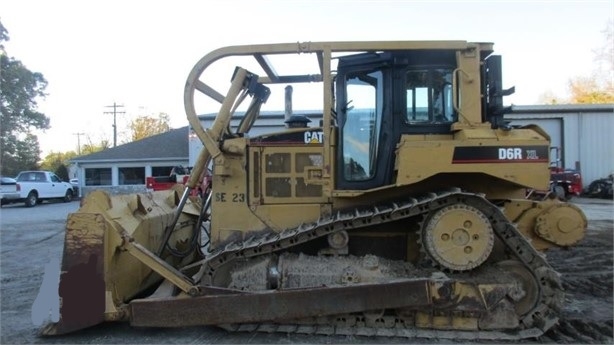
(401, 213)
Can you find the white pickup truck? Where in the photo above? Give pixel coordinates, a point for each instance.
(36, 186)
(8, 190)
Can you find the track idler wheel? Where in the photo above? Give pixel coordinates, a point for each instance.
(526, 300)
(458, 237)
(563, 224)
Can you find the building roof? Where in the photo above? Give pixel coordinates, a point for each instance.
(562, 108)
(166, 146)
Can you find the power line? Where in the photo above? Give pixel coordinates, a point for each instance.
(78, 142)
(114, 112)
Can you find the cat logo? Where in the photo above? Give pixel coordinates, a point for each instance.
(313, 137)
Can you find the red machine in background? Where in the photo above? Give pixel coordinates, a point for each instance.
(178, 174)
(565, 183)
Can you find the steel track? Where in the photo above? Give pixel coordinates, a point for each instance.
(533, 324)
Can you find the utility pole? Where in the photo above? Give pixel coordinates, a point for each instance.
(114, 112)
(78, 142)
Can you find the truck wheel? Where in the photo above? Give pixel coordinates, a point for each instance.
(68, 196)
(32, 199)
(559, 191)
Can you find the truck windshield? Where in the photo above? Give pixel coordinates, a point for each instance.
(363, 115)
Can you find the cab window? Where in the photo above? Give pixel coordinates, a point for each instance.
(361, 130)
(429, 96)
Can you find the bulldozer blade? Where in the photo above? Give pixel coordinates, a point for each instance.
(99, 273)
(82, 287)
(239, 307)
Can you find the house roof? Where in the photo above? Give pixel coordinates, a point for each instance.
(166, 146)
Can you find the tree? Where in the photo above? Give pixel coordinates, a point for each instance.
(54, 160)
(146, 126)
(62, 172)
(24, 156)
(597, 88)
(605, 54)
(549, 97)
(91, 147)
(19, 89)
(590, 90)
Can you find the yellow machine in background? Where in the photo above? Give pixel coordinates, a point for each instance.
(401, 214)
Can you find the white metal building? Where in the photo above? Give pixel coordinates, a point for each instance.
(584, 133)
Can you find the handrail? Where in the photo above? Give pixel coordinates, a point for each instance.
(456, 93)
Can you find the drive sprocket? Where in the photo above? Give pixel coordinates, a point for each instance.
(458, 237)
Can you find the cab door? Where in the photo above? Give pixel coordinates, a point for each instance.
(56, 187)
(364, 110)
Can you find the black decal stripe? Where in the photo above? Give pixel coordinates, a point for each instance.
(490, 154)
(470, 161)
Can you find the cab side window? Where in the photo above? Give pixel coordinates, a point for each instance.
(362, 127)
(429, 96)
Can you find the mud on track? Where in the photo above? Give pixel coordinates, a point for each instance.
(29, 240)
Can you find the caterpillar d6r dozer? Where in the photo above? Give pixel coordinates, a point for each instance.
(403, 213)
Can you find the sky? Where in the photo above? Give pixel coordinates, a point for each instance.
(138, 53)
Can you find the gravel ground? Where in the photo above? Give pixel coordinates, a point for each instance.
(32, 238)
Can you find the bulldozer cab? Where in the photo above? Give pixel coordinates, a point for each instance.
(381, 96)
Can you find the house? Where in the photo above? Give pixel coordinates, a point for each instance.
(123, 169)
